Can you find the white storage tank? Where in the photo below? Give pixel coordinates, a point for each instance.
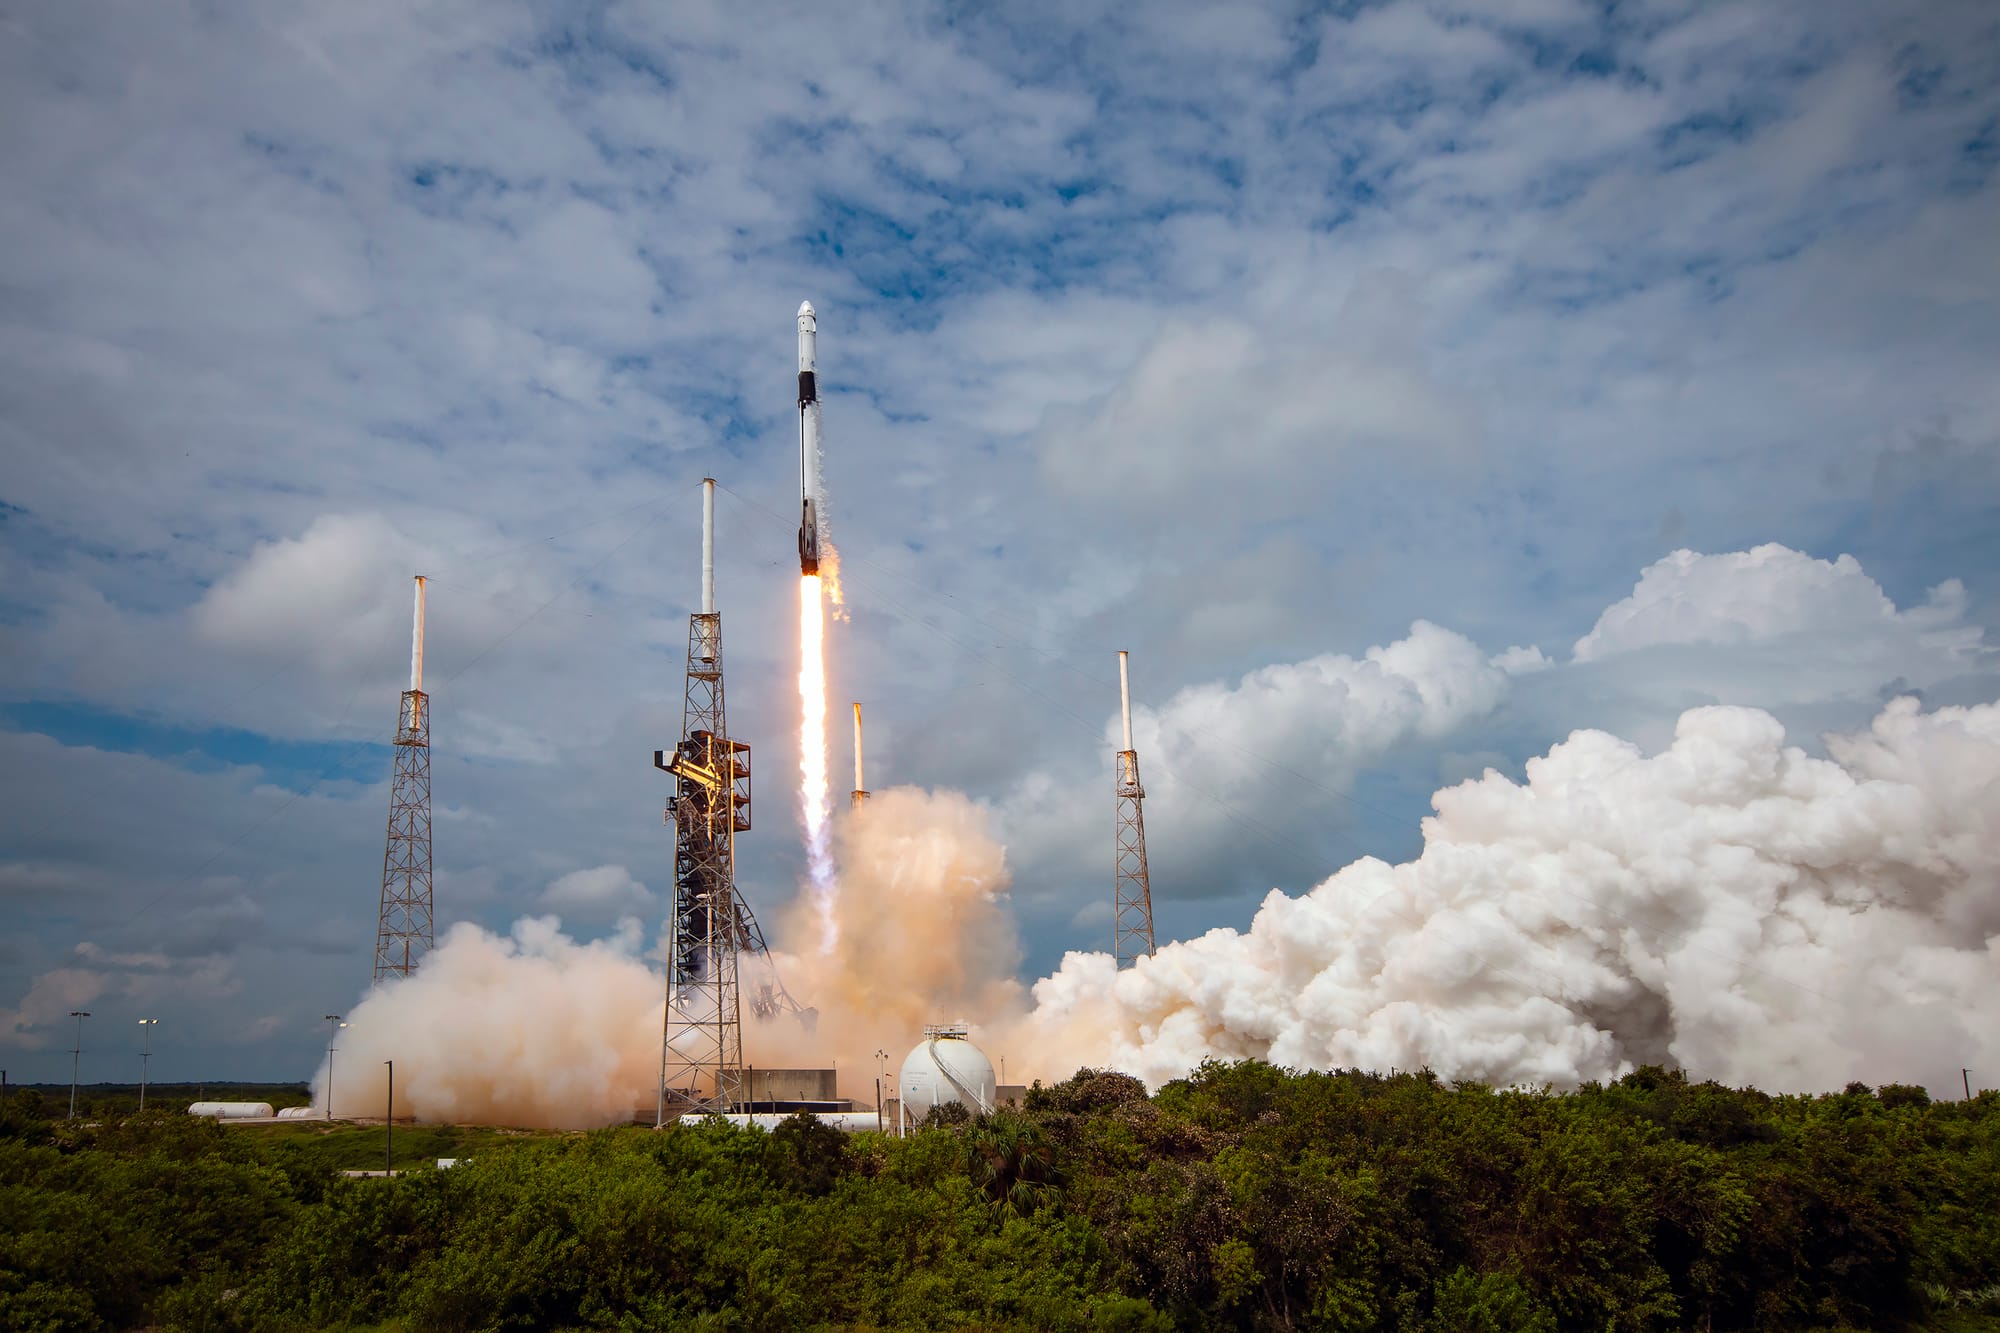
(301, 1113)
(946, 1067)
(233, 1110)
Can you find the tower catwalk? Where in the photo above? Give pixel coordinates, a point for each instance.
(701, 1042)
(403, 932)
(1135, 889)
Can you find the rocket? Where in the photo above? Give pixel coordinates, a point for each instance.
(808, 443)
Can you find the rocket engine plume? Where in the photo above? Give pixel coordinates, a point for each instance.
(814, 805)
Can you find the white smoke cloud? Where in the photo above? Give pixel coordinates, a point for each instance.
(1731, 904)
(540, 1029)
(533, 1029)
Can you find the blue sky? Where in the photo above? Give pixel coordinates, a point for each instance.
(1242, 337)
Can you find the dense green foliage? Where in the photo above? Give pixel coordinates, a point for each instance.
(1243, 1197)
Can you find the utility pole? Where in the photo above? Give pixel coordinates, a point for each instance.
(389, 1124)
(334, 1025)
(403, 930)
(76, 1057)
(1965, 1077)
(1133, 896)
(145, 1056)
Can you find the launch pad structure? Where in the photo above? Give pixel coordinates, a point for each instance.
(713, 930)
(403, 929)
(1134, 891)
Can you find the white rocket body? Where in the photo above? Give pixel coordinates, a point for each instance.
(808, 441)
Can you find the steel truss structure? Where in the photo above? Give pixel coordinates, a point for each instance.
(1135, 889)
(403, 931)
(701, 1042)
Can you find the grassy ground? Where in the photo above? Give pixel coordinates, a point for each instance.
(343, 1147)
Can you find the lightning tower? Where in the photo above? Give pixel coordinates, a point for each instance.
(1135, 889)
(701, 1044)
(403, 932)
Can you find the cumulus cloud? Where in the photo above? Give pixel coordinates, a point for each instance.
(1174, 434)
(1776, 628)
(320, 595)
(1731, 904)
(1772, 594)
(1261, 750)
(600, 893)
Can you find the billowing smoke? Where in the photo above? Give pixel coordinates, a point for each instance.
(531, 1029)
(924, 934)
(1731, 905)
(537, 1029)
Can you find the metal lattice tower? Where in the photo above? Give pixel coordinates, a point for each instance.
(701, 1042)
(403, 932)
(1135, 889)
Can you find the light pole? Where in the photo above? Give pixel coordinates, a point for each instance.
(145, 1055)
(334, 1025)
(76, 1057)
(881, 1068)
(389, 1123)
(1965, 1077)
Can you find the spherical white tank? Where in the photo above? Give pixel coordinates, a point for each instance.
(945, 1067)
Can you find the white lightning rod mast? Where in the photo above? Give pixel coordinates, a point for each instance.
(417, 640)
(708, 546)
(1125, 698)
(860, 793)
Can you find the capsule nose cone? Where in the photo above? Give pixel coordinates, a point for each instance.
(805, 310)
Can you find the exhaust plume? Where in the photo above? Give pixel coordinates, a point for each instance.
(813, 803)
(1730, 905)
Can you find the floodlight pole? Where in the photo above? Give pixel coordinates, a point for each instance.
(76, 1057)
(1965, 1077)
(389, 1125)
(145, 1056)
(334, 1025)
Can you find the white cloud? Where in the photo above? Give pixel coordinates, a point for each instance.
(1237, 774)
(599, 894)
(1773, 626)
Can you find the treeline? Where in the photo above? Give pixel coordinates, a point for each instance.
(94, 1101)
(1242, 1197)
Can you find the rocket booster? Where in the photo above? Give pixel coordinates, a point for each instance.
(808, 443)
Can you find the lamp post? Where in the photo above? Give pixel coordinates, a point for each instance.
(76, 1057)
(334, 1025)
(145, 1055)
(389, 1123)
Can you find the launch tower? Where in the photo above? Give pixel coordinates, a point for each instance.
(1134, 888)
(701, 1044)
(403, 931)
